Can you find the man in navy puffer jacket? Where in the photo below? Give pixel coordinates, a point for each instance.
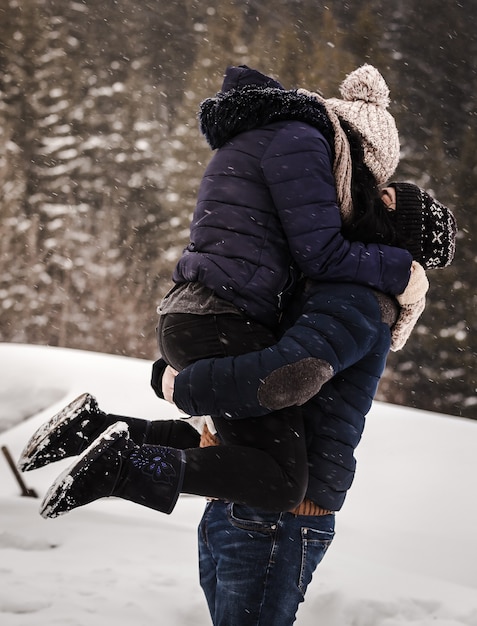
(338, 329)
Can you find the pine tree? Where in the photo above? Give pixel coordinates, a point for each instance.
(101, 155)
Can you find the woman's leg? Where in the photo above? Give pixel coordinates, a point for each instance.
(263, 461)
(70, 431)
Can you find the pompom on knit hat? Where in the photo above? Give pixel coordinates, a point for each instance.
(427, 227)
(364, 103)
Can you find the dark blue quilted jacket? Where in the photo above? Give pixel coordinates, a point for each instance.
(346, 325)
(266, 209)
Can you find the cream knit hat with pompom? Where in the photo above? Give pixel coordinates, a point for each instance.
(365, 100)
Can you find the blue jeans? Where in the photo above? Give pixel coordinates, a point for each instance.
(255, 566)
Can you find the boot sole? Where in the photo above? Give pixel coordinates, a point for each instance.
(57, 500)
(35, 453)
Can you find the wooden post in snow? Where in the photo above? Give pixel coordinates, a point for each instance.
(26, 491)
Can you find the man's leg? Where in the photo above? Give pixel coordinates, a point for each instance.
(255, 566)
(301, 544)
(233, 563)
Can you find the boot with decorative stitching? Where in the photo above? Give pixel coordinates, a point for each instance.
(115, 466)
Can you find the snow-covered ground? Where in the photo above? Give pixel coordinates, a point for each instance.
(405, 550)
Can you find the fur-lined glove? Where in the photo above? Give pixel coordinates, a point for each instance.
(412, 302)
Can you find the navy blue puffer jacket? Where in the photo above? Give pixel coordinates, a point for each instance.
(266, 209)
(339, 341)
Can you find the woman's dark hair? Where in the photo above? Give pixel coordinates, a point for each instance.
(371, 222)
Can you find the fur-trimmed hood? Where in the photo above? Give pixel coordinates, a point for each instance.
(250, 100)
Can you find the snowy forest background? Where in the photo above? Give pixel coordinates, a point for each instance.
(100, 156)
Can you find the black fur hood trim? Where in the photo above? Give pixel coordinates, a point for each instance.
(250, 107)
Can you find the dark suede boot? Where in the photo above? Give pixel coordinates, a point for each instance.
(71, 431)
(114, 466)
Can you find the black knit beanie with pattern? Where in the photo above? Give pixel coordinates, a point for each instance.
(426, 227)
